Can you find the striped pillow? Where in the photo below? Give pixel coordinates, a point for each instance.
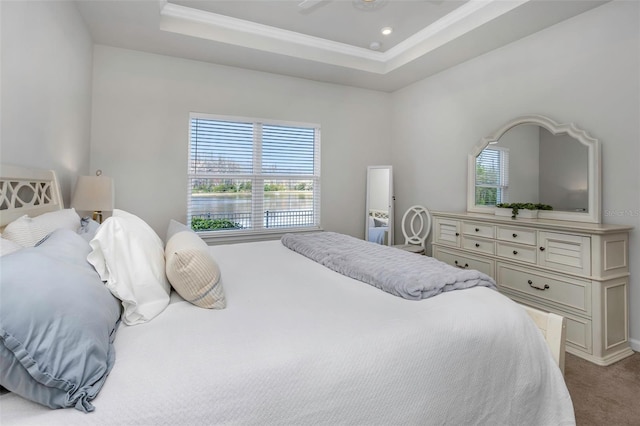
(27, 231)
(192, 272)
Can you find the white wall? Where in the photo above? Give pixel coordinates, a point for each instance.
(584, 70)
(46, 89)
(141, 106)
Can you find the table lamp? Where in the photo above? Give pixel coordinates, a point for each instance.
(94, 193)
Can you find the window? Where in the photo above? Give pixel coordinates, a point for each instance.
(492, 176)
(252, 175)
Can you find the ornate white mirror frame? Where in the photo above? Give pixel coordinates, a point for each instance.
(593, 213)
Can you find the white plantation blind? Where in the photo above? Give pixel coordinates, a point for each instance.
(492, 176)
(287, 150)
(221, 147)
(252, 175)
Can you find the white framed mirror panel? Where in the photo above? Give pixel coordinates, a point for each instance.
(577, 193)
(379, 205)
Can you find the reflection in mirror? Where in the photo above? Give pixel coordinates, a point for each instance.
(379, 205)
(529, 164)
(533, 159)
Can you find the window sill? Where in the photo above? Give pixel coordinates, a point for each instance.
(213, 238)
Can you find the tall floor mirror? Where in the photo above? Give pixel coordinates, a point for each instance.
(379, 205)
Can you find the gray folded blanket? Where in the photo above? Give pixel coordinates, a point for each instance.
(395, 271)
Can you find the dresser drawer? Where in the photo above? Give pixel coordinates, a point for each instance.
(464, 261)
(478, 244)
(568, 293)
(478, 229)
(447, 232)
(517, 252)
(565, 252)
(517, 235)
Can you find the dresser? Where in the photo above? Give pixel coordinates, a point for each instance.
(577, 270)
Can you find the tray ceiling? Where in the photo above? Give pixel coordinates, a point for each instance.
(325, 40)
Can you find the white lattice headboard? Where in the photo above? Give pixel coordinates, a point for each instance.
(27, 191)
(379, 214)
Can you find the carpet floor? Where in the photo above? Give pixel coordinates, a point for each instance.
(604, 396)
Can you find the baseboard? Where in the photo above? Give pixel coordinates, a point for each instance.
(604, 362)
(635, 344)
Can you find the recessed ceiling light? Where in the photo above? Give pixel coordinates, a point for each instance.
(386, 30)
(374, 45)
(368, 4)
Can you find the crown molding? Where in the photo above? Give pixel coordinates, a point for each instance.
(458, 22)
(224, 29)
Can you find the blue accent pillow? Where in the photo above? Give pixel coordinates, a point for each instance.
(57, 323)
(88, 228)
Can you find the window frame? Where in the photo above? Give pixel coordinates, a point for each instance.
(257, 175)
(502, 187)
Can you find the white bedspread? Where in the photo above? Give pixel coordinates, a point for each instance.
(300, 344)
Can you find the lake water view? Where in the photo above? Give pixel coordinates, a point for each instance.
(237, 206)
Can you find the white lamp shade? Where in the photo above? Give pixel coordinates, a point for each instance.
(93, 193)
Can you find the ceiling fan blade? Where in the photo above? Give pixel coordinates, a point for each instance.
(308, 4)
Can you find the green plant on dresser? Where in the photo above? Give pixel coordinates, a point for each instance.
(515, 207)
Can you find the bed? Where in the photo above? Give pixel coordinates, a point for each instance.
(301, 344)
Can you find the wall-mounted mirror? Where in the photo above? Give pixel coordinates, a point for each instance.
(533, 159)
(379, 205)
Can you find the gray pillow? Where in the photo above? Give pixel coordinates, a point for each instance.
(380, 222)
(175, 227)
(57, 323)
(88, 228)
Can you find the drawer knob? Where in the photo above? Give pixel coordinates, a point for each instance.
(546, 286)
(515, 252)
(457, 234)
(477, 229)
(477, 245)
(466, 265)
(515, 235)
(541, 248)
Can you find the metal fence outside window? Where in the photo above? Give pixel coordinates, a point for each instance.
(272, 219)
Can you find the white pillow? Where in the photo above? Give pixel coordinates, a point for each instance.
(191, 270)
(27, 231)
(129, 257)
(8, 246)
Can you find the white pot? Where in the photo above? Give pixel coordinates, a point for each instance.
(528, 214)
(523, 213)
(501, 211)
